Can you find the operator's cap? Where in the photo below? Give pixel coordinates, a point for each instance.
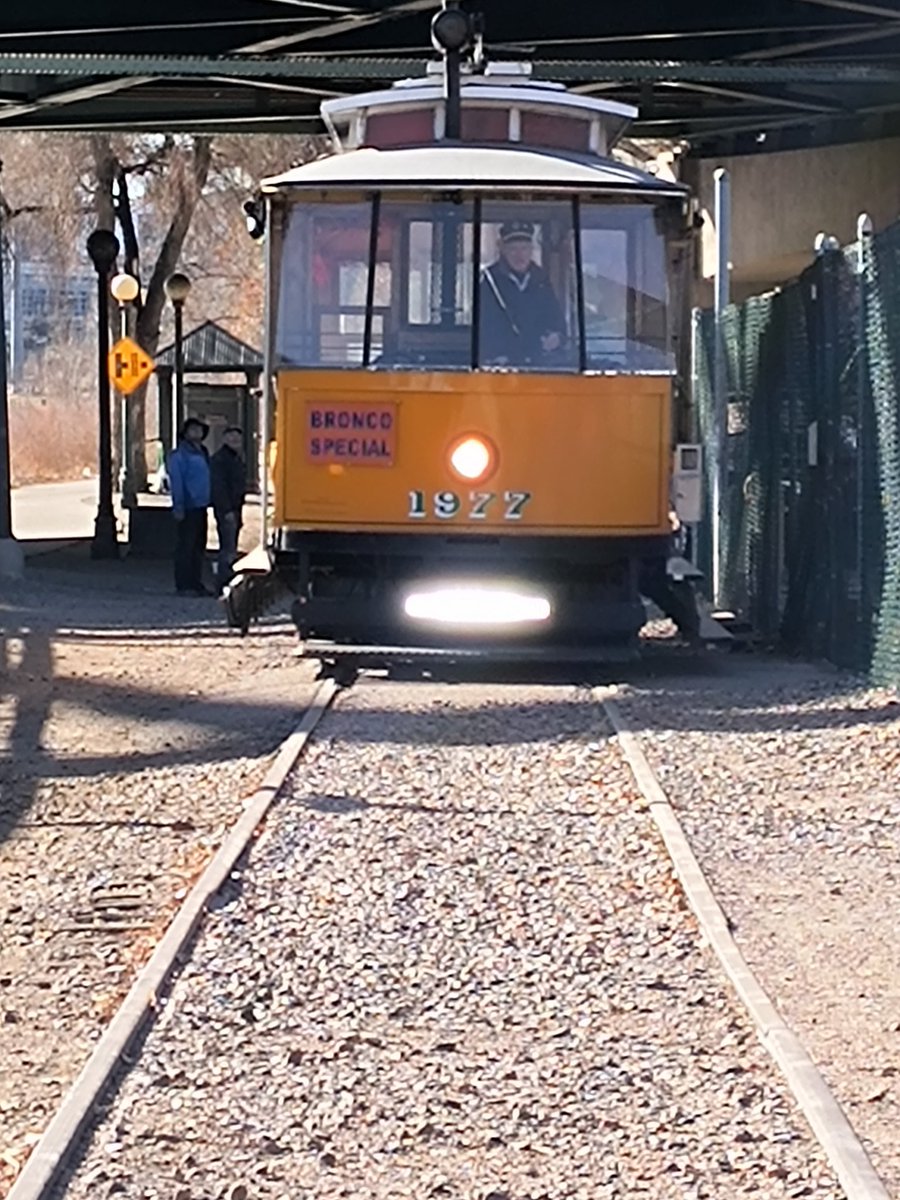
(517, 231)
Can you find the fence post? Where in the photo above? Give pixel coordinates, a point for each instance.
(830, 566)
(864, 231)
(720, 398)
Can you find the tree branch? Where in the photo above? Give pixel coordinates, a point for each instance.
(158, 156)
(105, 163)
(125, 217)
(190, 185)
(8, 212)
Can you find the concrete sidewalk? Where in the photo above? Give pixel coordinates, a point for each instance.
(47, 515)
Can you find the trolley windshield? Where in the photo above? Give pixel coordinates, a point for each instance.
(452, 282)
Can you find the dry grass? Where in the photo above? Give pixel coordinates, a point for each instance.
(52, 438)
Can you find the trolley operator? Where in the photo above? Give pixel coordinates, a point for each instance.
(521, 319)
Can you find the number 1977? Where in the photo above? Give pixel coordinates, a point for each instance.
(479, 506)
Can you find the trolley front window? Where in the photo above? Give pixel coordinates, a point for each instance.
(452, 282)
(625, 283)
(527, 315)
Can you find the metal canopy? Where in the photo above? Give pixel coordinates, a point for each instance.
(779, 74)
(211, 349)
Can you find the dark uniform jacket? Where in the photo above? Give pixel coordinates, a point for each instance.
(516, 312)
(228, 480)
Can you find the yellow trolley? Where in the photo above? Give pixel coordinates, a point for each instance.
(449, 472)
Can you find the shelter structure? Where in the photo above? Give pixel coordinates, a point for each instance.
(211, 350)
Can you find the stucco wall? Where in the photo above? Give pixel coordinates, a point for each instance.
(781, 201)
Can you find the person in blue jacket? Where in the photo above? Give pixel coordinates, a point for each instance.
(189, 484)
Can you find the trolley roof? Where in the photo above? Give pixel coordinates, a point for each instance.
(470, 167)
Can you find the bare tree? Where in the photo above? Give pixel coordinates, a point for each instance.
(184, 165)
(174, 202)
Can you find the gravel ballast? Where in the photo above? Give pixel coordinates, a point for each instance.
(456, 964)
(785, 778)
(132, 727)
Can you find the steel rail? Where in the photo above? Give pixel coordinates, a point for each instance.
(53, 1153)
(824, 1115)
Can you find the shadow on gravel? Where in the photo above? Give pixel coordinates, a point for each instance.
(753, 695)
(199, 730)
(673, 688)
(691, 694)
(228, 728)
(345, 806)
(71, 570)
(26, 692)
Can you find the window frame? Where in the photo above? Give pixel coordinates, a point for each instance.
(578, 202)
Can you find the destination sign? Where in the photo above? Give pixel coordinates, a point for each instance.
(364, 435)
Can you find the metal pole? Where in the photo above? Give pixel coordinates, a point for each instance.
(475, 361)
(451, 34)
(16, 330)
(129, 496)
(452, 96)
(720, 382)
(178, 305)
(691, 549)
(164, 390)
(103, 248)
(266, 396)
(11, 556)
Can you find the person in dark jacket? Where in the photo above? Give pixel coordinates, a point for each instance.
(522, 323)
(228, 474)
(188, 470)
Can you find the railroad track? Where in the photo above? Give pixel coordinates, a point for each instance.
(455, 958)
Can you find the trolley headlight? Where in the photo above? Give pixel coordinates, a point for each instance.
(476, 606)
(473, 458)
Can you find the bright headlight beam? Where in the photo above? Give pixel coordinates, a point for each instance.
(471, 458)
(476, 606)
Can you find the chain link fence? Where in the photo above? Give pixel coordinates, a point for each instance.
(810, 533)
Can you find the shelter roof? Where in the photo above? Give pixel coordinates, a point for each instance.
(209, 347)
(729, 79)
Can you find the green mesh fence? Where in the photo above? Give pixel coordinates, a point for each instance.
(810, 534)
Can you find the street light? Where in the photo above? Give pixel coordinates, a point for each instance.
(177, 288)
(103, 248)
(125, 289)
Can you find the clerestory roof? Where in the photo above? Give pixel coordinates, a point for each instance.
(470, 166)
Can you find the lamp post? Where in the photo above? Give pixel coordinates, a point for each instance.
(103, 248)
(125, 289)
(177, 288)
(11, 557)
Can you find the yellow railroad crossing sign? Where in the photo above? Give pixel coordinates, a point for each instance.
(129, 366)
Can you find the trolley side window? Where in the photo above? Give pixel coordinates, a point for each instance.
(324, 286)
(625, 285)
